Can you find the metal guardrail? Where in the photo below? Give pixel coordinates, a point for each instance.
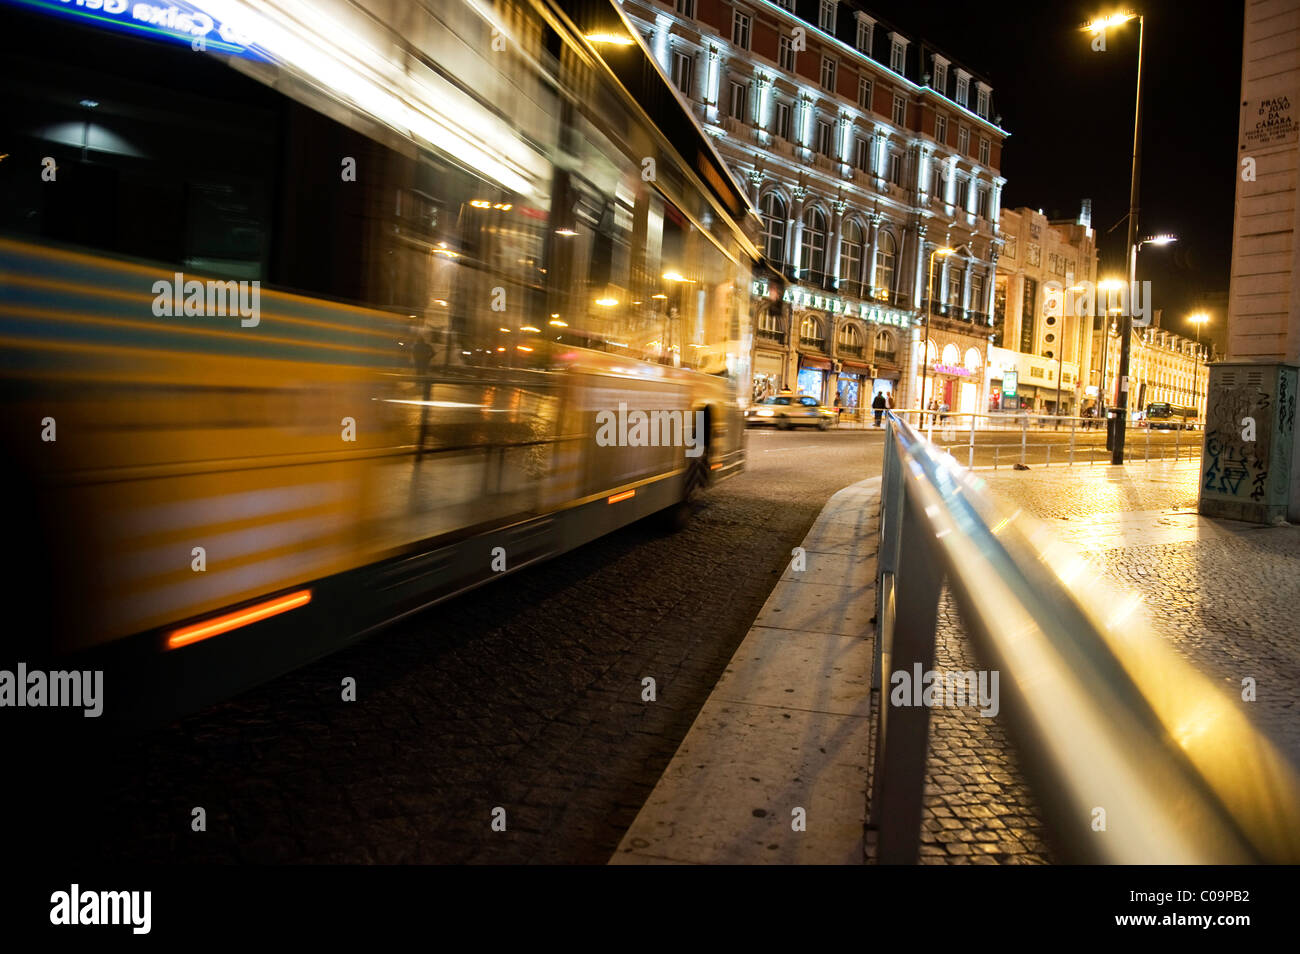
(956, 429)
(1104, 714)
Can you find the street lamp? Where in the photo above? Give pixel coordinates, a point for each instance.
(1197, 319)
(1097, 27)
(929, 306)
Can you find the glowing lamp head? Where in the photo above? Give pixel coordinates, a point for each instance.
(613, 39)
(1101, 24)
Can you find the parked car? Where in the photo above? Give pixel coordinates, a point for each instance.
(789, 410)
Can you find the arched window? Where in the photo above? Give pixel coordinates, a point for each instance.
(772, 207)
(886, 258)
(810, 333)
(851, 258)
(886, 347)
(951, 355)
(769, 324)
(850, 339)
(812, 254)
(973, 361)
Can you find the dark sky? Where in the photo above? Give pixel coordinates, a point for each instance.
(1070, 114)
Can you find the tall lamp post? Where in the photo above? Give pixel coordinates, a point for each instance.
(1197, 319)
(1097, 27)
(929, 307)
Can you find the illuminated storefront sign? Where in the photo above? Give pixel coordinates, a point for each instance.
(877, 314)
(1009, 384)
(181, 22)
(951, 369)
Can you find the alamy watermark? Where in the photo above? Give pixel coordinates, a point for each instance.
(208, 299)
(658, 428)
(934, 689)
(75, 907)
(1090, 299)
(39, 689)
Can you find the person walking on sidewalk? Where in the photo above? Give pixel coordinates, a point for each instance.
(878, 405)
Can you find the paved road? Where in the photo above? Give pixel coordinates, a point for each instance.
(525, 695)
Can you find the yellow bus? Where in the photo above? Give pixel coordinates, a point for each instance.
(313, 315)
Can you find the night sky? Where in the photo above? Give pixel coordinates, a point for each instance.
(1070, 114)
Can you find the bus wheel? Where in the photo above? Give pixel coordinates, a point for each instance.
(698, 475)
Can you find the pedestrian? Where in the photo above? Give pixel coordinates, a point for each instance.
(878, 405)
(943, 412)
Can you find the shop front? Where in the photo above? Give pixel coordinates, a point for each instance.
(954, 387)
(813, 375)
(769, 374)
(1004, 390)
(854, 389)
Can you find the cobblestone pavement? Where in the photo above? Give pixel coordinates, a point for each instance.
(1223, 593)
(977, 806)
(525, 695)
(1226, 598)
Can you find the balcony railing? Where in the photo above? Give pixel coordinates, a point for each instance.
(855, 350)
(767, 334)
(817, 344)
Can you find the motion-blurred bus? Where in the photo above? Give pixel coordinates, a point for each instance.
(1163, 416)
(310, 312)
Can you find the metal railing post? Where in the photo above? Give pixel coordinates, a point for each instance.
(887, 557)
(1024, 436)
(970, 459)
(1148, 450)
(902, 741)
(995, 456)
(1072, 423)
(1178, 440)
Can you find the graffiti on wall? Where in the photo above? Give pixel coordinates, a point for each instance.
(1234, 466)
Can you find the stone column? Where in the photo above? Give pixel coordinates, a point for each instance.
(944, 264)
(869, 254)
(907, 396)
(795, 232)
(760, 84)
(919, 276)
(837, 237)
(922, 154)
(965, 285)
(879, 156)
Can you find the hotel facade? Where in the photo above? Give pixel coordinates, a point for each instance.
(873, 159)
(1039, 355)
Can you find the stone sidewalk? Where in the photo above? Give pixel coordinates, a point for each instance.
(1223, 593)
(787, 730)
(774, 768)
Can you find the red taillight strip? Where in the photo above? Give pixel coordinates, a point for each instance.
(224, 624)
